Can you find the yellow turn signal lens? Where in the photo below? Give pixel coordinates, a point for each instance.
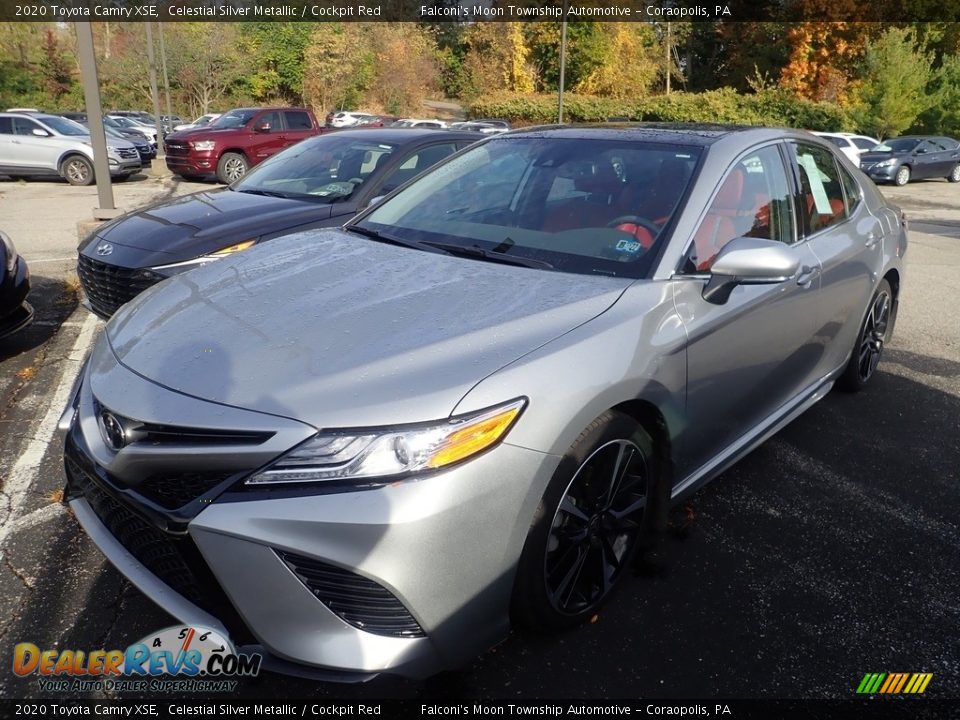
(230, 249)
(476, 435)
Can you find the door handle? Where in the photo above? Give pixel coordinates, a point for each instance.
(872, 239)
(807, 275)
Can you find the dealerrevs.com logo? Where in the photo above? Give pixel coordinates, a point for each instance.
(176, 659)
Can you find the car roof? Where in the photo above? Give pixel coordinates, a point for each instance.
(680, 133)
(404, 136)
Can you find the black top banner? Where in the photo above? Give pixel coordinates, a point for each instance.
(468, 11)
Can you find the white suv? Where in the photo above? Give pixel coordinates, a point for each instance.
(40, 144)
(850, 144)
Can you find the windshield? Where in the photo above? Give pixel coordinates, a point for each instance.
(327, 169)
(581, 205)
(233, 119)
(203, 120)
(63, 126)
(902, 145)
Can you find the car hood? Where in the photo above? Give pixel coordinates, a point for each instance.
(336, 330)
(192, 225)
(874, 156)
(205, 132)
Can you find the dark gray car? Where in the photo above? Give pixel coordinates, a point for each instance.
(368, 450)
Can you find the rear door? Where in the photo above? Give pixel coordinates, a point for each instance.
(747, 357)
(848, 242)
(297, 126)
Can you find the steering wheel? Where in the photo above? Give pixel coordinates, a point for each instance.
(639, 222)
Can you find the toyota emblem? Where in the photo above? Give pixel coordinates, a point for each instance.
(104, 248)
(112, 431)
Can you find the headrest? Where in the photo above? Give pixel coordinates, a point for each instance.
(728, 198)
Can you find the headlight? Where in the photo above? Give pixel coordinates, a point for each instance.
(358, 454)
(203, 144)
(886, 163)
(221, 253)
(11, 251)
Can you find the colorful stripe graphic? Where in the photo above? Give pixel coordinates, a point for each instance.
(894, 683)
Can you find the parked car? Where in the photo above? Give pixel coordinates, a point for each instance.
(485, 128)
(146, 151)
(37, 144)
(149, 131)
(475, 402)
(15, 311)
(346, 119)
(238, 140)
(201, 121)
(913, 157)
(320, 182)
(376, 121)
(168, 122)
(415, 122)
(850, 144)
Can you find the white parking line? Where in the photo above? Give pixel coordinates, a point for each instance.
(24, 470)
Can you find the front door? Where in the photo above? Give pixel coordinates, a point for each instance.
(752, 354)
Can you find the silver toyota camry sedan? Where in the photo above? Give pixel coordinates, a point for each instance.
(369, 450)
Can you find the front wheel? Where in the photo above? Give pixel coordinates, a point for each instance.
(873, 335)
(954, 175)
(77, 170)
(232, 167)
(595, 513)
(903, 176)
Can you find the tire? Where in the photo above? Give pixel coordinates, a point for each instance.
(231, 167)
(77, 170)
(903, 176)
(954, 175)
(582, 541)
(875, 331)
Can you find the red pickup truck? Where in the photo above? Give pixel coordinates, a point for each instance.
(237, 140)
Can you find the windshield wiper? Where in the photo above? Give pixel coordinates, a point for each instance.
(265, 193)
(475, 251)
(380, 237)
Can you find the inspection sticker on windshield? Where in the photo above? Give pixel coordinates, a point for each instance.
(629, 246)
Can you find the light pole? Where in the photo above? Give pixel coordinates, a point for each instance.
(563, 62)
(91, 96)
(166, 78)
(154, 94)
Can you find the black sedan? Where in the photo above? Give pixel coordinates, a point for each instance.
(913, 157)
(319, 182)
(15, 311)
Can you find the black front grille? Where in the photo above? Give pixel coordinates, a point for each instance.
(173, 559)
(174, 148)
(110, 286)
(357, 600)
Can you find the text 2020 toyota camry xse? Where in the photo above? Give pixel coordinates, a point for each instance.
(367, 450)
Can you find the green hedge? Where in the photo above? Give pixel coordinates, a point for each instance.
(770, 107)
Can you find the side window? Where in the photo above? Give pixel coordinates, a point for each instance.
(297, 120)
(22, 126)
(415, 164)
(821, 195)
(851, 191)
(6, 126)
(753, 201)
(864, 143)
(273, 118)
(948, 143)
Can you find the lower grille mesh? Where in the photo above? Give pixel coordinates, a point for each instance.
(357, 600)
(110, 286)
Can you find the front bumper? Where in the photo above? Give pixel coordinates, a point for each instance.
(444, 547)
(15, 312)
(123, 168)
(196, 163)
(885, 173)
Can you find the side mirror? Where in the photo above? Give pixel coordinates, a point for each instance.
(920, 151)
(40, 133)
(263, 127)
(749, 261)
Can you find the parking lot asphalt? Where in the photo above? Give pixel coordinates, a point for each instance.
(829, 552)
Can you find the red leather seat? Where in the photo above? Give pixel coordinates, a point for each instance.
(720, 225)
